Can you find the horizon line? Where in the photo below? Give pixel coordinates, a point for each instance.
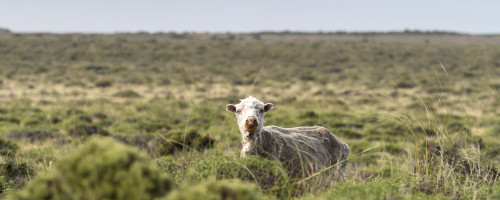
(263, 31)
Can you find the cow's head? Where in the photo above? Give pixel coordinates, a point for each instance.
(250, 113)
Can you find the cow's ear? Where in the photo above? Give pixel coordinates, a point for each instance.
(268, 107)
(231, 108)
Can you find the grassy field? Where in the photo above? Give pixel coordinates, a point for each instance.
(89, 116)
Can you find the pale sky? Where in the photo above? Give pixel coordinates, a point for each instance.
(103, 16)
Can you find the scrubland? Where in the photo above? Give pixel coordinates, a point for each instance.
(90, 116)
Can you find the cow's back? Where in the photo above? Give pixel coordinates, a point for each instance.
(312, 147)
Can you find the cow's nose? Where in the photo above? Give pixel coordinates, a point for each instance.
(251, 121)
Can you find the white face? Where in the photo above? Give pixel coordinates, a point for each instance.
(250, 113)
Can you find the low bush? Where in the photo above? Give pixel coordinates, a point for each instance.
(103, 83)
(268, 174)
(87, 130)
(347, 133)
(8, 148)
(127, 94)
(100, 169)
(388, 128)
(14, 174)
(171, 142)
(12, 120)
(232, 189)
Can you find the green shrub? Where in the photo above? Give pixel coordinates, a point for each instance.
(127, 94)
(267, 173)
(192, 139)
(218, 190)
(171, 142)
(394, 149)
(100, 169)
(169, 165)
(35, 120)
(344, 120)
(8, 148)
(103, 83)
(151, 126)
(87, 130)
(405, 83)
(387, 127)
(12, 120)
(14, 174)
(347, 133)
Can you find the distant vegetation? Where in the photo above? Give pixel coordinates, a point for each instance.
(406, 31)
(420, 111)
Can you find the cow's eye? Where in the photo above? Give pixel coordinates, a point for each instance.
(238, 111)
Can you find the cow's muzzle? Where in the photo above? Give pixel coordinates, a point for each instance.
(251, 124)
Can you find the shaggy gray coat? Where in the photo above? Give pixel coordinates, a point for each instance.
(303, 150)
